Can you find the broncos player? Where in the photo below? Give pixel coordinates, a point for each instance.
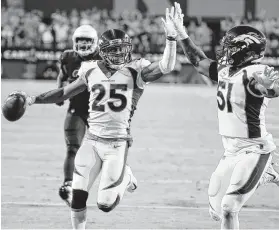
(85, 40)
(115, 84)
(241, 113)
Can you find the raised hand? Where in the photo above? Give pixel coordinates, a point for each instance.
(268, 79)
(177, 18)
(168, 24)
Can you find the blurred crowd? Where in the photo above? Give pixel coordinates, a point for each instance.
(31, 29)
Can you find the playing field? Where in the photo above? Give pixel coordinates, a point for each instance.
(176, 148)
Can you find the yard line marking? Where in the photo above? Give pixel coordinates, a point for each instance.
(141, 181)
(44, 204)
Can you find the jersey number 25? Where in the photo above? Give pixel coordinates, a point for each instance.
(96, 106)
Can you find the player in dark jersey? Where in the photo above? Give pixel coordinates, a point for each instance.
(84, 49)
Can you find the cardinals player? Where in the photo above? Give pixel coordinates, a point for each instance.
(85, 40)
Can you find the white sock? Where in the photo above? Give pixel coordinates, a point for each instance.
(78, 219)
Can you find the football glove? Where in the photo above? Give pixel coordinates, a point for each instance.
(168, 24)
(177, 20)
(268, 82)
(29, 100)
(269, 78)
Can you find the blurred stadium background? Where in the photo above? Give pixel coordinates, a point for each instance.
(33, 33)
(176, 145)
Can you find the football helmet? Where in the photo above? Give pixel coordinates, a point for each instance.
(115, 48)
(85, 40)
(240, 45)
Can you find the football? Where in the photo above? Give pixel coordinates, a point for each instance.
(14, 107)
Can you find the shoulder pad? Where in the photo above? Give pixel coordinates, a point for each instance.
(86, 65)
(256, 68)
(66, 55)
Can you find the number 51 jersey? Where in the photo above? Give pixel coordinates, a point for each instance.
(242, 108)
(113, 97)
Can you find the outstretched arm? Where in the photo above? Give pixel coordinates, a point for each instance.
(60, 94)
(156, 69)
(195, 55)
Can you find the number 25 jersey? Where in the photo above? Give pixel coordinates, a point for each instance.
(241, 108)
(113, 97)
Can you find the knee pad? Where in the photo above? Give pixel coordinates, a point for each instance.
(214, 185)
(79, 199)
(107, 200)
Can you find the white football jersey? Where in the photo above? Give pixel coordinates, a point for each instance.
(241, 110)
(113, 99)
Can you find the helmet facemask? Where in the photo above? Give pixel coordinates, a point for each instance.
(84, 46)
(116, 55)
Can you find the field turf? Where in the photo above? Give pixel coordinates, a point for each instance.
(176, 148)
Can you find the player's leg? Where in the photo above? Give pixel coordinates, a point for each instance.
(87, 167)
(116, 175)
(271, 175)
(218, 185)
(244, 182)
(74, 130)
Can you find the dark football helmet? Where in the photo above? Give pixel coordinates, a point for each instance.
(115, 48)
(240, 45)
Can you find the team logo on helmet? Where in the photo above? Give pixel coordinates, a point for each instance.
(240, 45)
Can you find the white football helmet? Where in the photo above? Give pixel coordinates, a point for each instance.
(85, 40)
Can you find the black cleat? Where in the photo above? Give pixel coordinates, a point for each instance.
(65, 192)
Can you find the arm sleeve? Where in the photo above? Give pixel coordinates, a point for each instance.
(142, 64)
(213, 71)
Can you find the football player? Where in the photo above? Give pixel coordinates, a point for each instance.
(85, 40)
(115, 84)
(241, 113)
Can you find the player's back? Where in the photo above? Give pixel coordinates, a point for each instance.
(113, 97)
(241, 108)
(70, 64)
